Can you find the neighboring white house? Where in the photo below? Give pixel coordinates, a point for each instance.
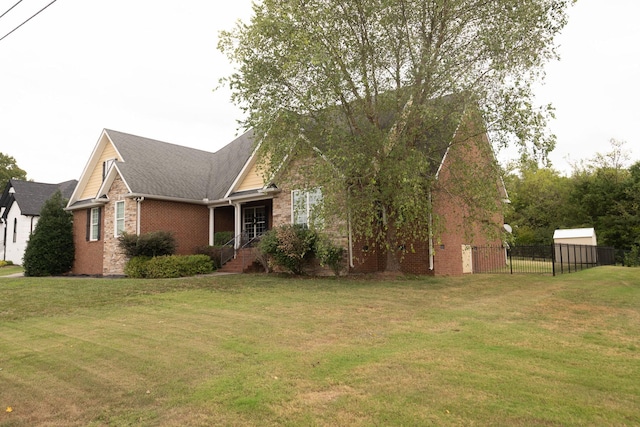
(20, 206)
(576, 236)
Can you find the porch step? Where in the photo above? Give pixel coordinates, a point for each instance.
(244, 260)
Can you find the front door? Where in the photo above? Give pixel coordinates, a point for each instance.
(255, 221)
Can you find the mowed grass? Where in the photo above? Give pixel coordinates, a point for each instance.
(267, 350)
(10, 269)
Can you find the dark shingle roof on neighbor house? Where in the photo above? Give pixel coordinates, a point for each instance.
(31, 196)
(157, 168)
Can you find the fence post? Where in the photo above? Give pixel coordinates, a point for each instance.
(510, 261)
(553, 259)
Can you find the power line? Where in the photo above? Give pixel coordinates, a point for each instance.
(9, 10)
(30, 18)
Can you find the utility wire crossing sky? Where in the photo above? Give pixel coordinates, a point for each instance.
(150, 68)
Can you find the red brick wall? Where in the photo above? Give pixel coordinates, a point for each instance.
(188, 223)
(367, 257)
(88, 259)
(415, 258)
(224, 219)
(468, 165)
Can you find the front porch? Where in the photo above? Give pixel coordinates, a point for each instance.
(245, 221)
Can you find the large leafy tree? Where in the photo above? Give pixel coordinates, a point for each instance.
(9, 170)
(539, 203)
(364, 82)
(50, 250)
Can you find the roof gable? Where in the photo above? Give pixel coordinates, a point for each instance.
(31, 196)
(153, 168)
(91, 178)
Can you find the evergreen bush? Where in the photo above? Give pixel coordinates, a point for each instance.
(50, 250)
(168, 266)
(632, 257)
(153, 244)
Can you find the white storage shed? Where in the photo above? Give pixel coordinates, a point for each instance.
(576, 236)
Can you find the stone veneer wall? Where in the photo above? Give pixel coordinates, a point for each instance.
(113, 259)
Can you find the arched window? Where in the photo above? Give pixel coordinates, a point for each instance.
(15, 230)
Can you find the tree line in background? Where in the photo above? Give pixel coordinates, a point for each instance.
(601, 192)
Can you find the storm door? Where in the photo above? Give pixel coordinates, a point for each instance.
(255, 221)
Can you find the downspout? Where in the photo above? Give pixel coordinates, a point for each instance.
(139, 201)
(4, 241)
(211, 225)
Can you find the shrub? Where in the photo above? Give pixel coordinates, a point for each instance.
(632, 258)
(330, 255)
(154, 244)
(5, 263)
(213, 252)
(136, 267)
(168, 266)
(222, 238)
(289, 246)
(50, 250)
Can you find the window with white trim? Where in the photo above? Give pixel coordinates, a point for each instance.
(305, 206)
(119, 218)
(94, 225)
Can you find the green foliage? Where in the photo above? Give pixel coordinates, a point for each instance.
(50, 250)
(9, 170)
(213, 252)
(156, 243)
(632, 257)
(290, 246)
(4, 263)
(330, 255)
(136, 267)
(222, 237)
(368, 84)
(168, 266)
(539, 204)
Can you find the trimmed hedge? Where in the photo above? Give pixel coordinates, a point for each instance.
(169, 266)
(153, 244)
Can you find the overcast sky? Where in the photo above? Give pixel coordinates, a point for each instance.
(149, 68)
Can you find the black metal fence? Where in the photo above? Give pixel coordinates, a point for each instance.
(549, 259)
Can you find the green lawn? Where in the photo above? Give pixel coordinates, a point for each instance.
(10, 269)
(265, 350)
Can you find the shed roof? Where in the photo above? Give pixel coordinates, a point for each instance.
(574, 233)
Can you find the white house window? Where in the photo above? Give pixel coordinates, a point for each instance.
(305, 206)
(94, 227)
(119, 221)
(15, 230)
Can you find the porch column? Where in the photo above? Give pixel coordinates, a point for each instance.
(238, 224)
(211, 224)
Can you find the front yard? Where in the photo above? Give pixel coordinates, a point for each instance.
(267, 350)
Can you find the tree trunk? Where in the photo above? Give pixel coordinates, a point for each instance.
(393, 252)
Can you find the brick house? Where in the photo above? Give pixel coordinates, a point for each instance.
(138, 185)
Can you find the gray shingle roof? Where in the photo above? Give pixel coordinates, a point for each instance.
(162, 169)
(31, 196)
